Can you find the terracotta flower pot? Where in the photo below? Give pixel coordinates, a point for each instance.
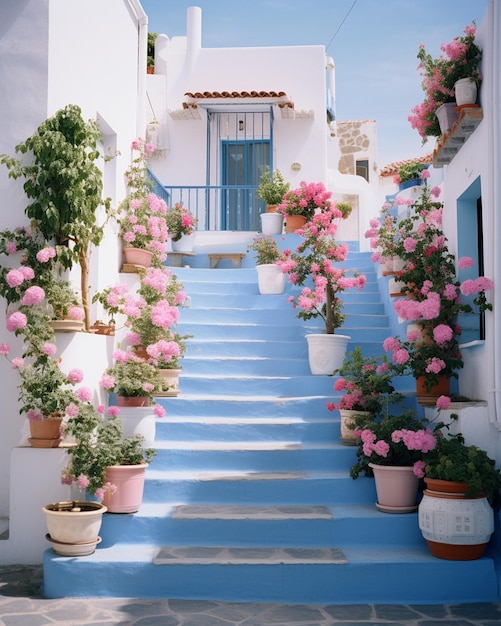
(429, 397)
(133, 401)
(45, 433)
(293, 222)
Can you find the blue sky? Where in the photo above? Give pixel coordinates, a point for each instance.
(374, 44)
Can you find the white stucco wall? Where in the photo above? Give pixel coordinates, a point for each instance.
(479, 157)
(54, 53)
(298, 71)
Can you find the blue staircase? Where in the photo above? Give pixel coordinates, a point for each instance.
(249, 497)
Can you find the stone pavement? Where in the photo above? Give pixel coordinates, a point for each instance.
(22, 604)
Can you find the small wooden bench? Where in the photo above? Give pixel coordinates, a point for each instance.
(236, 258)
(175, 259)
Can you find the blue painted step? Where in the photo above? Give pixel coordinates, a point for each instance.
(250, 434)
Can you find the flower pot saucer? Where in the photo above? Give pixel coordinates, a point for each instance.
(396, 509)
(44, 443)
(81, 548)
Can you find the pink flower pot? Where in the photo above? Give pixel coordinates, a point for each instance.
(129, 481)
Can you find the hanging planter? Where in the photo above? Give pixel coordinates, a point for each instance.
(455, 528)
(396, 488)
(326, 352)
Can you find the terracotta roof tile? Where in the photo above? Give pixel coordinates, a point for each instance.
(235, 94)
(392, 168)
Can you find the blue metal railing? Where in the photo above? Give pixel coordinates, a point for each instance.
(217, 207)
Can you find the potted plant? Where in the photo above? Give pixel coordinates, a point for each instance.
(181, 224)
(271, 189)
(299, 205)
(142, 214)
(460, 59)
(409, 174)
(101, 446)
(133, 379)
(65, 184)
(393, 449)
(367, 386)
(38, 267)
(45, 391)
(314, 267)
(345, 208)
(270, 277)
(432, 299)
(462, 486)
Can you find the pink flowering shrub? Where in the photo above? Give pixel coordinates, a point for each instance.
(315, 267)
(459, 58)
(432, 294)
(366, 383)
(142, 215)
(306, 200)
(400, 440)
(180, 221)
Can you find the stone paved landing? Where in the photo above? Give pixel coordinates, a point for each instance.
(251, 512)
(206, 555)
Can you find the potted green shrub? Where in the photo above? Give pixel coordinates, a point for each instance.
(65, 184)
(270, 277)
(272, 188)
(408, 175)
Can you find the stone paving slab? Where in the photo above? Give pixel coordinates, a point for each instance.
(203, 555)
(22, 604)
(191, 511)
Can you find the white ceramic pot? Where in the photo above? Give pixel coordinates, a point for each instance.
(447, 116)
(465, 91)
(270, 279)
(326, 352)
(171, 380)
(184, 244)
(76, 522)
(455, 527)
(272, 223)
(347, 435)
(138, 421)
